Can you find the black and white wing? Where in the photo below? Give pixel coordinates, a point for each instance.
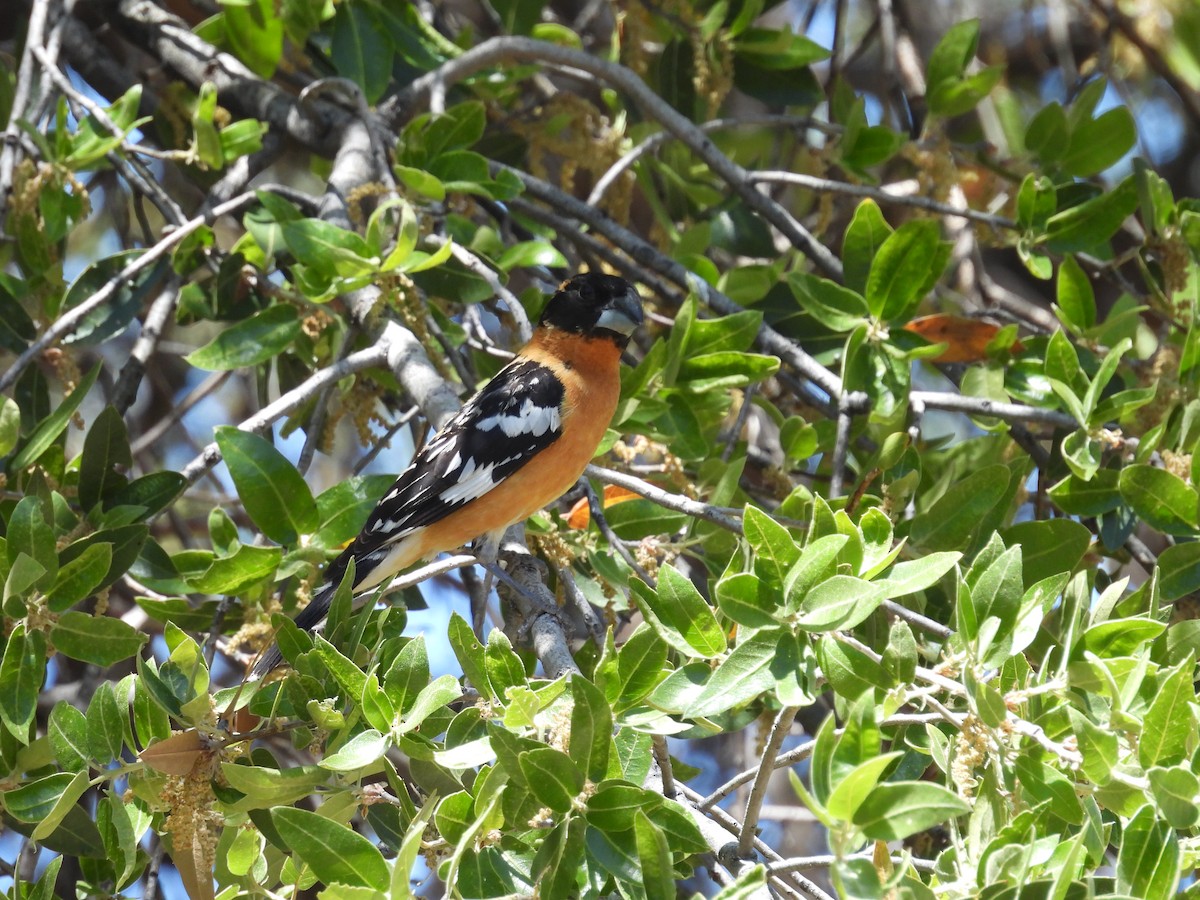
(514, 417)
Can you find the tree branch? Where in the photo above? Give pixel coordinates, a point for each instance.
(499, 50)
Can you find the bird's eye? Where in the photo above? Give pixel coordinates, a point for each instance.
(587, 293)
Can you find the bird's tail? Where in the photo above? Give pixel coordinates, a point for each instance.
(310, 619)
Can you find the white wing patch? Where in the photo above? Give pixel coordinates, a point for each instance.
(531, 418)
(472, 482)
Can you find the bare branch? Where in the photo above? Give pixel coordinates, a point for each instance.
(296, 397)
(758, 793)
(677, 502)
(899, 194)
(499, 50)
(67, 322)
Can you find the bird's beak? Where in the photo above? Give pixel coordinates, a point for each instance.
(622, 314)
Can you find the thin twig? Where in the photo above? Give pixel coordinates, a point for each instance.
(662, 756)
(758, 793)
(213, 381)
(677, 502)
(67, 322)
(895, 194)
(521, 49)
(646, 254)
(596, 508)
(23, 92)
(297, 396)
(926, 624)
(981, 406)
(480, 268)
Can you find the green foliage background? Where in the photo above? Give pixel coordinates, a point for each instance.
(947, 585)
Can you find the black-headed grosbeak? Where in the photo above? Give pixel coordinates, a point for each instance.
(521, 442)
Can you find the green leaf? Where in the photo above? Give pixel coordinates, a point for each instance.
(1119, 637)
(775, 549)
(639, 664)
(67, 731)
(658, 876)
(1062, 364)
(742, 676)
(734, 332)
(531, 253)
(1097, 744)
(1048, 134)
(422, 182)
(275, 495)
(614, 805)
(255, 340)
(1085, 227)
(16, 328)
(897, 809)
(1179, 570)
(840, 602)
(916, 575)
(408, 674)
(10, 425)
(837, 308)
(1175, 791)
(954, 519)
(1169, 724)
(778, 49)
(1099, 143)
(335, 853)
(470, 654)
(125, 543)
(849, 793)
(343, 508)
(725, 369)
(360, 49)
(504, 668)
(100, 640)
(75, 789)
(29, 534)
(255, 31)
(442, 690)
(901, 268)
(1076, 299)
(1077, 497)
(1049, 546)
(21, 674)
(274, 785)
(742, 599)
(1148, 858)
(817, 562)
(364, 749)
(864, 236)
(153, 492)
(681, 616)
(327, 249)
(106, 457)
(107, 722)
(957, 96)
(1160, 498)
(553, 779)
(949, 59)
(234, 574)
(591, 729)
(32, 802)
(53, 425)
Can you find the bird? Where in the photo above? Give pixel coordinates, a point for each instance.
(515, 446)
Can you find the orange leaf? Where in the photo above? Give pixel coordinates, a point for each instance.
(967, 339)
(580, 516)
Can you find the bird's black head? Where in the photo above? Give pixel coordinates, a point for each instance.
(595, 305)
